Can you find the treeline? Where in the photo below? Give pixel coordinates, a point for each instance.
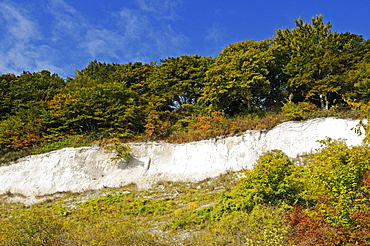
(309, 66)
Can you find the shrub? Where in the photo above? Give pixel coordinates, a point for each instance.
(335, 175)
(338, 178)
(274, 180)
(122, 151)
(293, 111)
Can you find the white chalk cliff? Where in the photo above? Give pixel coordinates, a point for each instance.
(86, 168)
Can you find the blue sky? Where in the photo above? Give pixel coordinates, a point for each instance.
(64, 35)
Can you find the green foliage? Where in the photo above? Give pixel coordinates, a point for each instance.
(295, 111)
(318, 60)
(68, 141)
(237, 81)
(27, 91)
(274, 180)
(103, 97)
(122, 151)
(336, 173)
(178, 81)
(358, 83)
(24, 100)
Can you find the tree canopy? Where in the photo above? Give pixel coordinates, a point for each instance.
(304, 67)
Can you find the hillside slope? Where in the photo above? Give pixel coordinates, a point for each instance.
(86, 168)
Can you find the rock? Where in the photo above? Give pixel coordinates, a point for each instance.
(87, 168)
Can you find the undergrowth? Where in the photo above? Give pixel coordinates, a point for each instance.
(323, 200)
(113, 216)
(193, 128)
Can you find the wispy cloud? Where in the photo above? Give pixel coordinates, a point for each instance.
(69, 39)
(102, 43)
(67, 21)
(162, 9)
(214, 38)
(18, 50)
(16, 24)
(134, 34)
(147, 35)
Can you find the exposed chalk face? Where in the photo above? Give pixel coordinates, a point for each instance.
(86, 168)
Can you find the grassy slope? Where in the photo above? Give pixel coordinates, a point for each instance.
(167, 214)
(115, 216)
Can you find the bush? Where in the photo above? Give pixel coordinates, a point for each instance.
(274, 180)
(293, 111)
(121, 150)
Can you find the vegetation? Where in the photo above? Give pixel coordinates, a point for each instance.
(323, 201)
(307, 71)
(299, 71)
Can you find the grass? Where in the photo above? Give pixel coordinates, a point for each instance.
(169, 213)
(113, 216)
(241, 123)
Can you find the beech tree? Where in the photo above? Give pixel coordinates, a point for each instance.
(358, 82)
(317, 59)
(23, 102)
(105, 98)
(238, 79)
(178, 81)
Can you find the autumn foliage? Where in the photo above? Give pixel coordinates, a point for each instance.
(306, 71)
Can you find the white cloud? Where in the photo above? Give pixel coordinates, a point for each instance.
(69, 39)
(148, 36)
(67, 20)
(161, 9)
(134, 35)
(213, 39)
(17, 24)
(19, 50)
(102, 42)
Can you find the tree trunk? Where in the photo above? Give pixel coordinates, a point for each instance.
(324, 103)
(249, 107)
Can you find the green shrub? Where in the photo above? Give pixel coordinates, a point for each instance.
(274, 180)
(67, 141)
(295, 111)
(335, 175)
(122, 151)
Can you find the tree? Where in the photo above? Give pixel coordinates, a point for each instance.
(317, 60)
(27, 91)
(238, 79)
(358, 83)
(108, 99)
(20, 131)
(6, 95)
(178, 81)
(24, 102)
